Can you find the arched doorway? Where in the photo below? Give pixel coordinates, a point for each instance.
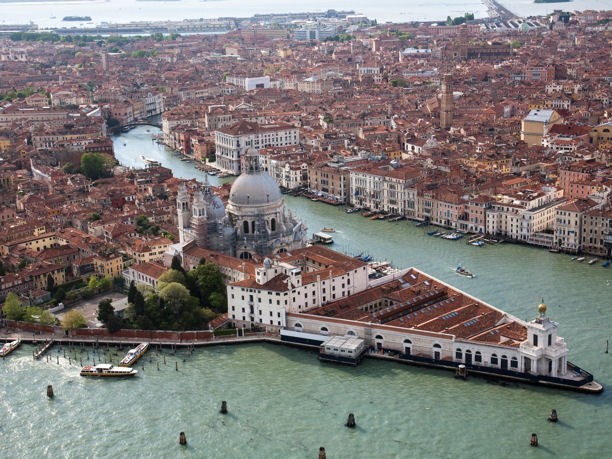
(468, 357)
(504, 362)
(437, 351)
(379, 341)
(407, 347)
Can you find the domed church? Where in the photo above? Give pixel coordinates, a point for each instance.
(255, 222)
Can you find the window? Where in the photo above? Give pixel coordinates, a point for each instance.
(458, 354)
(351, 333)
(550, 339)
(514, 362)
(535, 340)
(324, 331)
(494, 360)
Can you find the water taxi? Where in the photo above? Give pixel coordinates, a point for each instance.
(9, 347)
(150, 162)
(328, 229)
(322, 238)
(134, 355)
(107, 370)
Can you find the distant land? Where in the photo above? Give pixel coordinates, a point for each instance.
(551, 1)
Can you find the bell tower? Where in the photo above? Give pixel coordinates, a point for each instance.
(183, 207)
(446, 102)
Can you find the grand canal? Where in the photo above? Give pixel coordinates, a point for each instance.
(284, 403)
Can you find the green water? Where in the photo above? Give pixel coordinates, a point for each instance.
(283, 403)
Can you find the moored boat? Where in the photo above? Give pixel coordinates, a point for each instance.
(107, 370)
(592, 261)
(581, 259)
(328, 229)
(9, 347)
(134, 355)
(463, 272)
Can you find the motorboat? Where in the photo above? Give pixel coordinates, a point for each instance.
(463, 272)
(133, 355)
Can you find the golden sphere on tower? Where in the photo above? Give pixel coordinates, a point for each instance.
(542, 308)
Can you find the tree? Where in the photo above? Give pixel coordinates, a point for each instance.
(32, 314)
(12, 307)
(50, 283)
(46, 318)
(132, 292)
(73, 319)
(171, 275)
(105, 310)
(60, 294)
(208, 279)
(70, 168)
(175, 296)
(94, 166)
(177, 264)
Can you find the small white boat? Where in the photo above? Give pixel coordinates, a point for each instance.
(134, 355)
(328, 229)
(107, 370)
(150, 162)
(9, 347)
(592, 261)
(580, 259)
(463, 272)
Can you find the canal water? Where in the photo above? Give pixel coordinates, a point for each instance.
(284, 403)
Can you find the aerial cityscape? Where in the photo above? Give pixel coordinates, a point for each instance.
(337, 231)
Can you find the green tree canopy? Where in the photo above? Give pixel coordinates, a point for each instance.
(171, 275)
(13, 310)
(73, 319)
(95, 166)
(105, 310)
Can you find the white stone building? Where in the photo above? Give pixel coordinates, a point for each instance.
(231, 142)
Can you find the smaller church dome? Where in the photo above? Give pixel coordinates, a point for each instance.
(215, 208)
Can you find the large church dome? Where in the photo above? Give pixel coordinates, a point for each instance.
(254, 187)
(254, 190)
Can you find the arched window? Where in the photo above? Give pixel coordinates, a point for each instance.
(513, 362)
(245, 256)
(458, 354)
(298, 327)
(273, 224)
(245, 227)
(407, 341)
(494, 360)
(379, 337)
(379, 341)
(253, 227)
(324, 331)
(478, 357)
(351, 333)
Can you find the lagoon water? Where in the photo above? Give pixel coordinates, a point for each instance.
(283, 403)
(49, 13)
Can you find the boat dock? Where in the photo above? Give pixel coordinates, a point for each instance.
(43, 348)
